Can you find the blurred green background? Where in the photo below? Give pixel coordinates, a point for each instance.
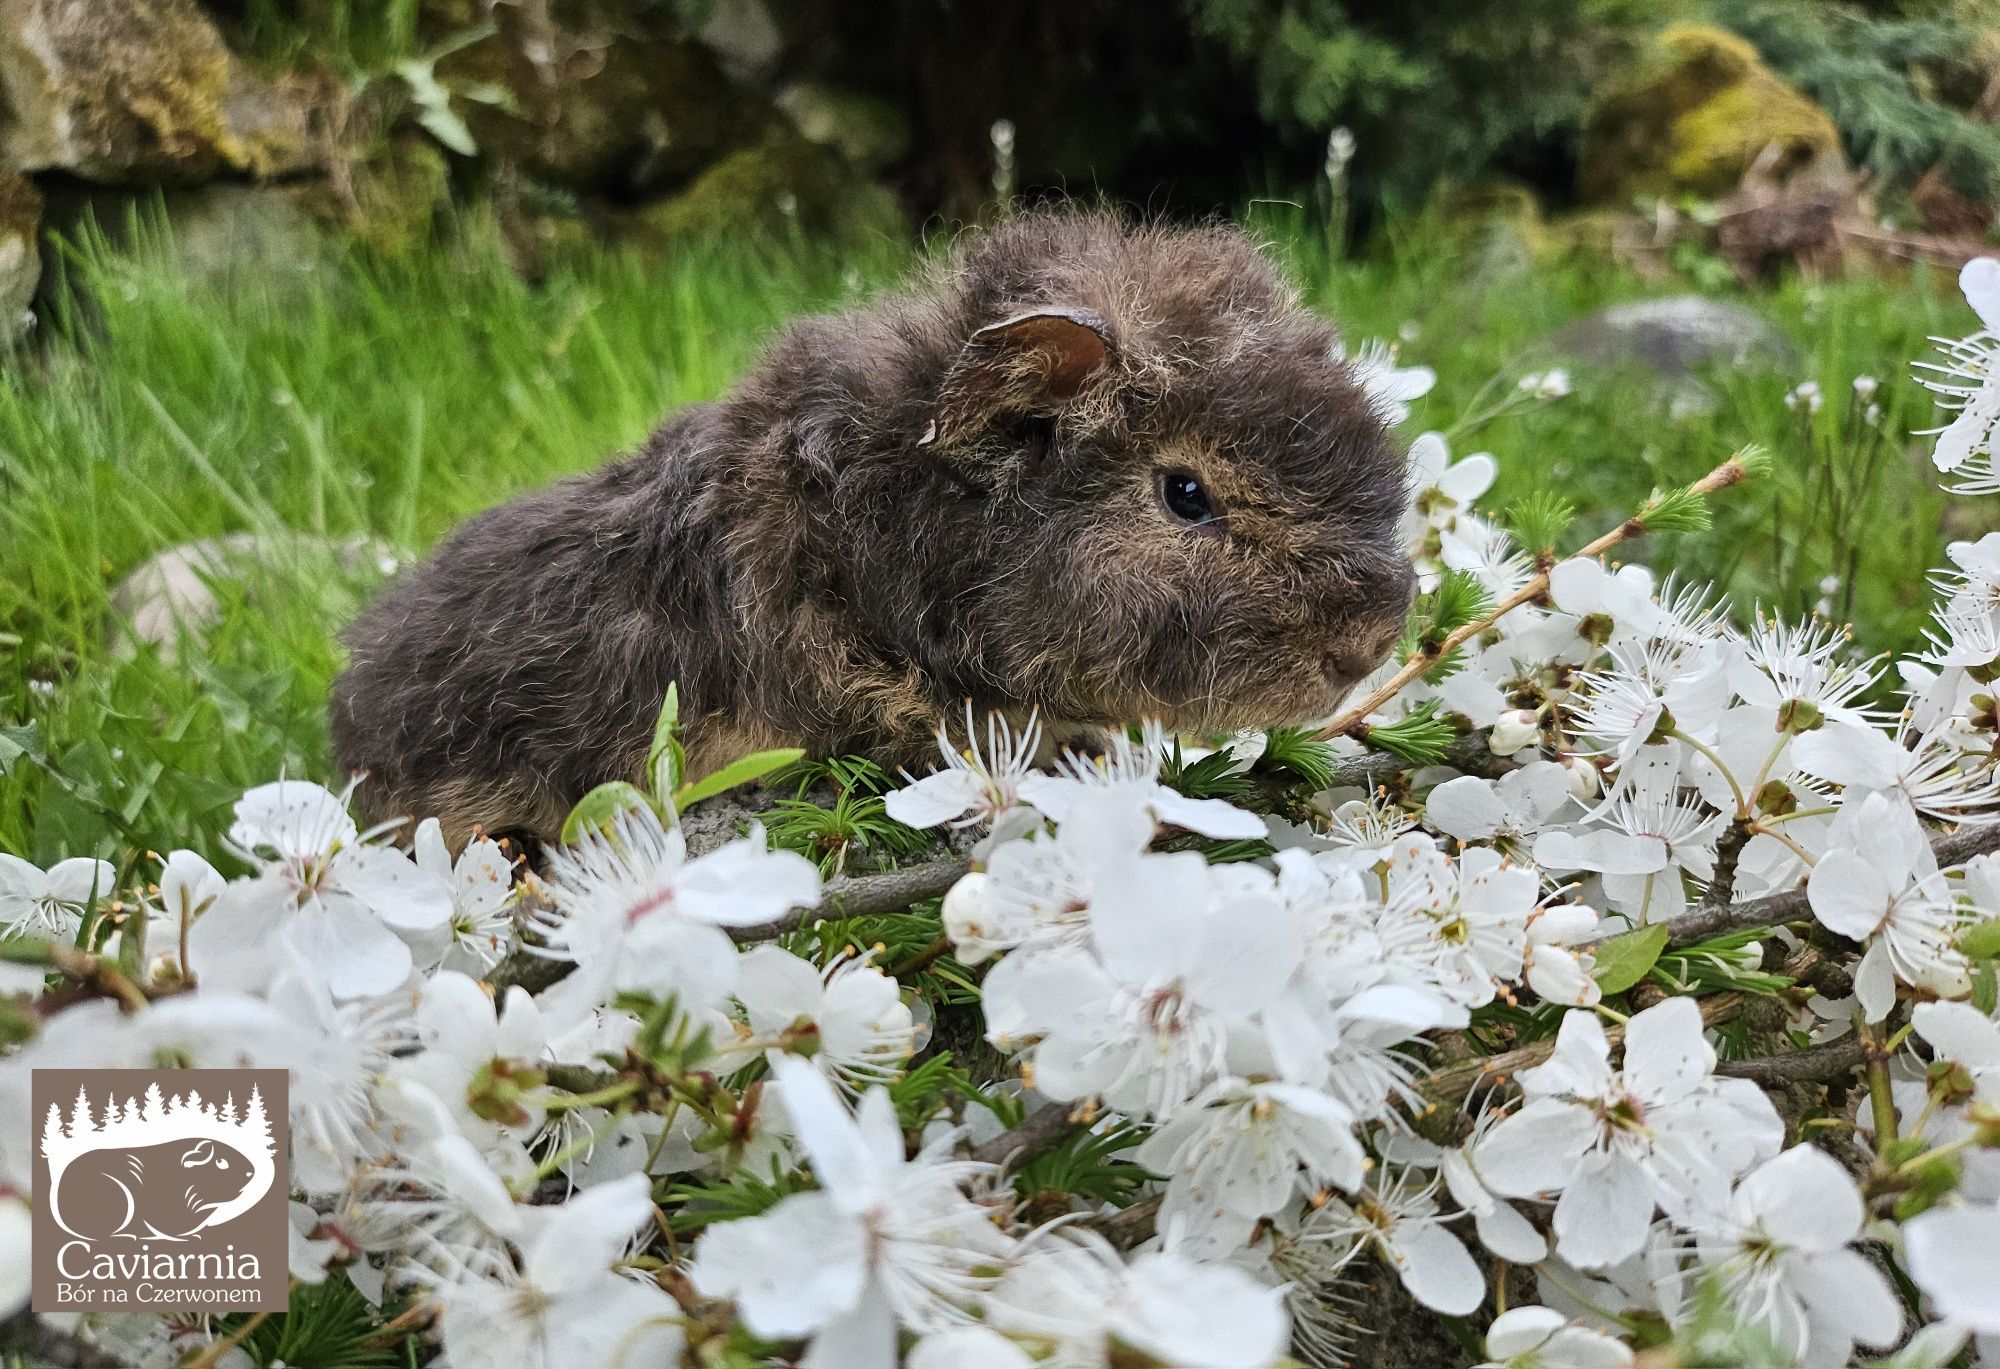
(291, 289)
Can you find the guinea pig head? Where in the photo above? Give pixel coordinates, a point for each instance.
(212, 1174)
(1189, 508)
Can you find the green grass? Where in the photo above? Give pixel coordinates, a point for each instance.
(350, 399)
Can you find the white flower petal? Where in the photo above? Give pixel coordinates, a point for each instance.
(1954, 1256)
(1848, 895)
(934, 799)
(1214, 818)
(1960, 1032)
(862, 1339)
(743, 884)
(1664, 1048)
(790, 1270)
(1605, 1211)
(1521, 1329)
(1980, 280)
(1468, 808)
(1535, 1150)
(1437, 1269)
(1802, 1198)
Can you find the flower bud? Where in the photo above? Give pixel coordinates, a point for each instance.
(1797, 716)
(496, 1090)
(1584, 780)
(1515, 729)
(964, 912)
(802, 1038)
(1948, 1081)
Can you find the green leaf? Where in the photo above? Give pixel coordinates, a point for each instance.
(1214, 776)
(434, 111)
(743, 770)
(1985, 987)
(1679, 510)
(1981, 941)
(666, 761)
(597, 808)
(1421, 737)
(24, 950)
(1624, 960)
(1539, 521)
(1295, 750)
(132, 946)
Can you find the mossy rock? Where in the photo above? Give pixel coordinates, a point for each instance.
(1496, 225)
(137, 91)
(870, 132)
(389, 202)
(782, 184)
(20, 254)
(602, 101)
(1698, 110)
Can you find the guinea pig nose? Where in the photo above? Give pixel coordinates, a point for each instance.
(1349, 661)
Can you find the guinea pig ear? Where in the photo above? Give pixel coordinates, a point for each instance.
(1034, 360)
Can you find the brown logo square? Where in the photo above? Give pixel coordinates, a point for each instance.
(160, 1190)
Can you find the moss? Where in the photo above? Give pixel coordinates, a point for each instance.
(606, 105)
(1690, 119)
(391, 200)
(143, 88)
(780, 184)
(20, 206)
(20, 257)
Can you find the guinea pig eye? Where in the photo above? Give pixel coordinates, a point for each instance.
(1185, 498)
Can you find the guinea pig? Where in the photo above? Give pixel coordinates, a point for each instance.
(168, 1190)
(1098, 470)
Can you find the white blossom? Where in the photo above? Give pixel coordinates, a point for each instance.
(1661, 1132)
(1781, 1252)
(884, 1242)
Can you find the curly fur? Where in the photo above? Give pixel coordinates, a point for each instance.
(815, 561)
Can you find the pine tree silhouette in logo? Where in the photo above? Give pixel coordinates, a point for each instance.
(156, 1168)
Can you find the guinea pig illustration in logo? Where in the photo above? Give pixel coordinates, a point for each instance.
(158, 1168)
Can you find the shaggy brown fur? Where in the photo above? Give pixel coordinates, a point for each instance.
(954, 493)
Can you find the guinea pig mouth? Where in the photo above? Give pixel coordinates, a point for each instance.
(1346, 666)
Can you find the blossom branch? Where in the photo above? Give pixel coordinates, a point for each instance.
(848, 896)
(865, 896)
(1734, 471)
(1040, 1132)
(1448, 1087)
(1829, 1060)
(1710, 920)
(97, 975)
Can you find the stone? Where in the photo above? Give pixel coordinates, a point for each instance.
(172, 594)
(781, 184)
(137, 91)
(1698, 110)
(1675, 336)
(228, 231)
(20, 254)
(598, 95)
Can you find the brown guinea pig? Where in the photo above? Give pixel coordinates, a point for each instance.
(1102, 471)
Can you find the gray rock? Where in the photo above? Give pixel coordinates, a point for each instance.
(229, 232)
(1675, 337)
(173, 594)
